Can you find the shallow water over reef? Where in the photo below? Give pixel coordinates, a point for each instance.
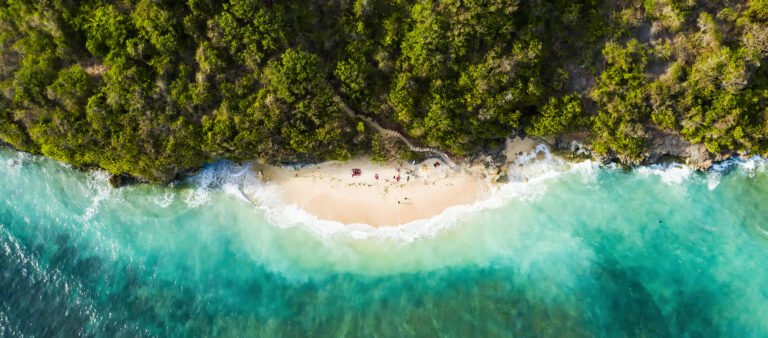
(562, 250)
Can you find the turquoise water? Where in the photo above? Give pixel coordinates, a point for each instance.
(563, 250)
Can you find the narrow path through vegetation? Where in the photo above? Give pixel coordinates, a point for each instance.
(393, 133)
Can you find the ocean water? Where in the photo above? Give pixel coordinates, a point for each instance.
(564, 250)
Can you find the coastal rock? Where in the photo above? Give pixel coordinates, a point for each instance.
(662, 146)
(121, 180)
(115, 181)
(496, 174)
(499, 159)
(489, 163)
(698, 157)
(574, 146)
(627, 160)
(665, 144)
(503, 178)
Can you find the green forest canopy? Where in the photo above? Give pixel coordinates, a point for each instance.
(154, 88)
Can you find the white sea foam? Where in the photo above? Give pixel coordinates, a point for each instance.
(713, 180)
(97, 183)
(671, 174)
(528, 177)
(751, 166)
(229, 177)
(723, 167)
(14, 165)
(675, 174)
(199, 193)
(165, 200)
(743, 166)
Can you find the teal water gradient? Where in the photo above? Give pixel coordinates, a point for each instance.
(564, 250)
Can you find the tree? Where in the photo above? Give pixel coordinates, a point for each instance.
(106, 30)
(620, 94)
(559, 115)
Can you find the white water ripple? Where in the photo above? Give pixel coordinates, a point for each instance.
(529, 176)
(98, 184)
(165, 199)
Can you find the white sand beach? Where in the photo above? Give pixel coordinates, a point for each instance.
(331, 192)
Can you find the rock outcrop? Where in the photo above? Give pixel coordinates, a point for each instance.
(665, 144)
(121, 180)
(662, 145)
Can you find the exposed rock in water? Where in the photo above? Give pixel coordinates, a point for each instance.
(121, 180)
(629, 161)
(663, 146)
(488, 162)
(499, 159)
(574, 146)
(503, 178)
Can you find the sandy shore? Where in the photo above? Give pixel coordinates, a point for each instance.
(331, 192)
(517, 146)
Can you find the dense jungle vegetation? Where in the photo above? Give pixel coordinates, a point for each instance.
(154, 88)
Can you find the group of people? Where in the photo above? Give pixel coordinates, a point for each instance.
(359, 172)
(396, 178)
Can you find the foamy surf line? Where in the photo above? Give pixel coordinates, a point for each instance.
(528, 176)
(675, 174)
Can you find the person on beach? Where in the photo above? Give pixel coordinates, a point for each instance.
(376, 176)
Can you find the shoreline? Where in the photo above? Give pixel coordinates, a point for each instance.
(571, 147)
(388, 194)
(329, 190)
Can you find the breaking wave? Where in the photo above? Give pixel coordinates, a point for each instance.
(98, 183)
(528, 177)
